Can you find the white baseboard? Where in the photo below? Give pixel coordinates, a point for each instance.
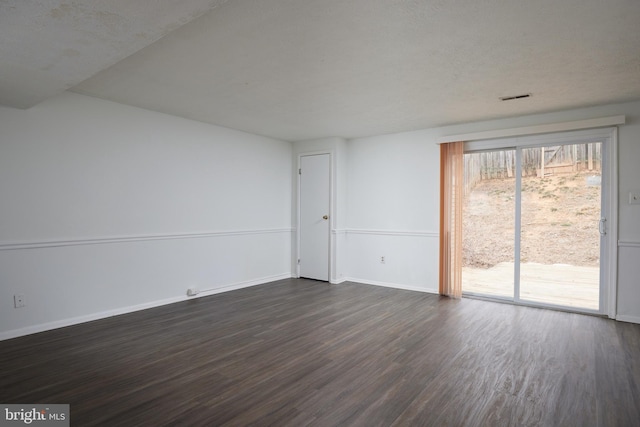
(392, 285)
(630, 319)
(130, 309)
(240, 285)
(42, 327)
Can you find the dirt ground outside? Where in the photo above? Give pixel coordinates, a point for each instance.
(560, 216)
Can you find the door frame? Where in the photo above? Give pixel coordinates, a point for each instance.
(332, 251)
(609, 192)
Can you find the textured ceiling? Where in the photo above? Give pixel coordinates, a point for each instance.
(48, 46)
(295, 70)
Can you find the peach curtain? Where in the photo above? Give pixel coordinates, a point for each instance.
(451, 191)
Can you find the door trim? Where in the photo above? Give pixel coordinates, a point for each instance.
(610, 273)
(332, 261)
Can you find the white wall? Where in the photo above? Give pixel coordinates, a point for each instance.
(392, 207)
(392, 202)
(107, 208)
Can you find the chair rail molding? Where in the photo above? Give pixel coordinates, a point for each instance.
(37, 244)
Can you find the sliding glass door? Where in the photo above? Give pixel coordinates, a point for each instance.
(533, 224)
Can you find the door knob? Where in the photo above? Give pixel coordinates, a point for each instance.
(325, 217)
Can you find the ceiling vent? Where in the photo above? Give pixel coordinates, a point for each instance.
(509, 98)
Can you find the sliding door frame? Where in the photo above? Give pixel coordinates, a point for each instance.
(609, 204)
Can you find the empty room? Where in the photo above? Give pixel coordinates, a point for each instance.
(323, 213)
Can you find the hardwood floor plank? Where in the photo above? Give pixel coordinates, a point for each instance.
(298, 352)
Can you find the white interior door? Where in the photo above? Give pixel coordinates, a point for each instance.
(315, 194)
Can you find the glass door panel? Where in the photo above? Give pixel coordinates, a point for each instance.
(560, 215)
(489, 223)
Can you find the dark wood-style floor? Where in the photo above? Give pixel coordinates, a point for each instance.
(298, 352)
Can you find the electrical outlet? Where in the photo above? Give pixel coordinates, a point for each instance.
(19, 301)
(381, 260)
(634, 197)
